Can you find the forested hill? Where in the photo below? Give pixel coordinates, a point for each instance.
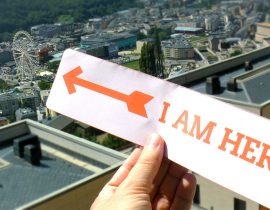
(21, 14)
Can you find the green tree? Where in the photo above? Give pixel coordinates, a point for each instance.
(151, 60)
(53, 66)
(114, 142)
(65, 19)
(17, 14)
(143, 59)
(236, 53)
(4, 85)
(147, 61)
(44, 85)
(140, 36)
(152, 69)
(158, 56)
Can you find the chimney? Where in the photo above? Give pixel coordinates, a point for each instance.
(32, 154)
(213, 85)
(28, 147)
(248, 66)
(232, 85)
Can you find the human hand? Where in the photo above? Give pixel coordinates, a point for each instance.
(147, 181)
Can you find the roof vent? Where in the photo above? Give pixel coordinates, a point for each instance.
(32, 154)
(232, 85)
(213, 85)
(28, 147)
(248, 66)
(3, 163)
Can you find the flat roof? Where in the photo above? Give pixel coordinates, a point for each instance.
(22, 182)
(252, 86)
(191, 29)
(66, 160)
(252, 90)
(177, 42)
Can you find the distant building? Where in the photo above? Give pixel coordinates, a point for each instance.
(10, 102)
(41, 113)
(65, 28)
(95, 23)
(214, 42)
(29, 99)
(212, 23)
(140, 43)
(4, 121)
(44, 94)
(106, 50)
(188, 30)
(177, 48)
(46, 30)
(8, 105)
(186, 23)
(121, 40)
(25, 113)
(229, 42)
(263, 31)
(5, 55)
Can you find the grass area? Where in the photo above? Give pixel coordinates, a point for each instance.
(198, 38)
(132, 65)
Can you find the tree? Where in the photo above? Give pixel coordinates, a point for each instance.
(143, 59)
(236, 53)
(3, 85)
(65, 19)
(147, 61)
(151, 61)
(18, 14)
(158, 56)
(44, 85)
(140, 36)
(53, 66)
(114, 142)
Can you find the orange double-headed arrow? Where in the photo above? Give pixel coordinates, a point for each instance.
(136, 101)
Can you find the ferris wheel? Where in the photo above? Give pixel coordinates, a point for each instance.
(24, 56)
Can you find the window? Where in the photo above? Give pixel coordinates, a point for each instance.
(196, 199)
(239, 204)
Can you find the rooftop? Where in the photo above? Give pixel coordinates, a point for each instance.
(264, 24)
(178, 42)
(66, 160)
(188, 29)
(106, 37)
(251, 84)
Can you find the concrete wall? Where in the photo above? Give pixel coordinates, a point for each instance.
(219, 198)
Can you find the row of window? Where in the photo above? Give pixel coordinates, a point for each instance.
(238, 203)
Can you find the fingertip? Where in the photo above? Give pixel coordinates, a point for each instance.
(149, 162)
(189, 183)
(189, 180)
(154, 141)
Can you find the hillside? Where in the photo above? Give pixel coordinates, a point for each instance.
(18, 14)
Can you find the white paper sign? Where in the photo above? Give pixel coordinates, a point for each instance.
(220, 142)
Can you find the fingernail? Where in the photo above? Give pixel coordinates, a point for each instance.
(153, 141)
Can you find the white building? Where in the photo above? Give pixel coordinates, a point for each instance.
(177, 48)
(263, 31)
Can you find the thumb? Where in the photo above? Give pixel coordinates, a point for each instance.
(147, 166)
